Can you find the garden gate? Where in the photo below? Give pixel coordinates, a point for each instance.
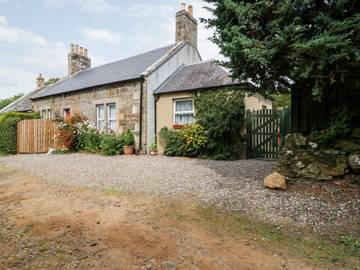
(36, 136)
(265, 131)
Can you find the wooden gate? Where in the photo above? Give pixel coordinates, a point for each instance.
(36, 136)
(265, 131)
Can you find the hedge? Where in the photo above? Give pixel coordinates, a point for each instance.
(8, 129)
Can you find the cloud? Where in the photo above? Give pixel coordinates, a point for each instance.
(146, 10)
(101, 35)
(3, 20)
(13, 35)
(97, 6)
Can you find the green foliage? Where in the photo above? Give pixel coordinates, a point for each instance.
(88, 139)
(111, 144)
(6, 101)
(191, 141)
(281, 101)
(313, 44)
(51, 81)
(128, 138)
(222, 114)
(8, 130)
(352, 243)
(338, 128)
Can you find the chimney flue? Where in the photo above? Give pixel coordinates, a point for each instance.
(183, 6)
(191, 10)
(40, 81)
(78, 59)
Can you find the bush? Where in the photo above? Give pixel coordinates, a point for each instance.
(222, 114)
(111, 144)
(70, 130)
(88, 139)
(191, 141)
(8, 130)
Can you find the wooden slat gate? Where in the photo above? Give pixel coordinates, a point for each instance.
(265, 131)
(36, 136)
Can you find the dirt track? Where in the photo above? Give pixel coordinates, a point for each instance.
(53, 227)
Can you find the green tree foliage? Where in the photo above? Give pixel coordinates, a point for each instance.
(309, 46)
(8, 129)
(222, 114)
(6, 101)
(51, 81)
(281, 101)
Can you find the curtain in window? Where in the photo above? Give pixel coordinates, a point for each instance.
(100, 117)
(183, 106)
(184, 119)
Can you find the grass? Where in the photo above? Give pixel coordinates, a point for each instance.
(343, 252)
(114, 192)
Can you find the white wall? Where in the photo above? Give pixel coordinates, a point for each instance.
(186, 55)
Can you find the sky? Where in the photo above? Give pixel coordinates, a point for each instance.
(35, 35)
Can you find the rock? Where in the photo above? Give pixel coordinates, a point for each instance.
(356, 133)
(336, 171)
(275, 181)
(347, 145)
(295, 140)
(313, 145)
(168, 265)
(300, 165)
(354, 161)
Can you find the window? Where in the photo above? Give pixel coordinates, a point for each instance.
(43, 114)
(49, 113)
(111, 116)
(66, 113)
(183, 111)
(100, 117)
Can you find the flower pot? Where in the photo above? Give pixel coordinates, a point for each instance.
(153, 152)
(128, 150)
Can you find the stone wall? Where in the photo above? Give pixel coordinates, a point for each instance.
(126, 97)
(302, 158)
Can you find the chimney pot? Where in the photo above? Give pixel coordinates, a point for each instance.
(191, 10)
(77, 49)
(72, 48)
(40, 81)
(183, 6)
(81, 51)
(78, 60)
(85, 52)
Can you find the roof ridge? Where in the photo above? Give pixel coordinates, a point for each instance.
(128, 58)
(202, 62)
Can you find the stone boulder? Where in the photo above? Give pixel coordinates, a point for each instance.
(354, 161)
(294, 140)
(347, 145)
(275, 181)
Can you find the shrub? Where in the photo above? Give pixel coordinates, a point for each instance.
(111, 144)
(128, 138)
(69, 130)
(8, 130)
(88, 139)
(191, 141)
(222, 114)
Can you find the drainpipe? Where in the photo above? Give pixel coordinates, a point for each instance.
(142, 79)
(156, 98)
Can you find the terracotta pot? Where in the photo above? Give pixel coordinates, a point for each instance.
(128, 150)
(153, 152)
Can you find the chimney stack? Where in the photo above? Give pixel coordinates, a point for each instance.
(78, 59)
(40, 81)
(186, 25)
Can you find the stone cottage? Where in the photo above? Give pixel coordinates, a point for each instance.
(143, 93)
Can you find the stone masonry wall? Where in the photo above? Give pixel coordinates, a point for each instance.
(126, 97)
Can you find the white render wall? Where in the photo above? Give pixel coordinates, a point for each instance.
(187, 55)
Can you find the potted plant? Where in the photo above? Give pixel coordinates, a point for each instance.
(153, 149)
(129, 142)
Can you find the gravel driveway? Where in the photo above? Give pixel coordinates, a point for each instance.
(234, 185)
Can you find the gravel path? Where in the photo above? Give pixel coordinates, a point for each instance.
(234, 185)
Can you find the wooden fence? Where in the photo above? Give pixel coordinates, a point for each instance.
(265, 132)
(36, 136)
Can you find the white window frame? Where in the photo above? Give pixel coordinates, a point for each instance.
(97, 116)
(49, 113)
(44, 114)
(183, 112)
(108, 119)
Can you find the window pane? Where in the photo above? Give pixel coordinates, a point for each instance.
(183, 106)
(112, 124)
(100, 112)
(184, 119)
(112, 111)
(101, 124)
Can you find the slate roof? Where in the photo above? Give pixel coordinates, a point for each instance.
(122, 70)
(22, 104)
(203, 75)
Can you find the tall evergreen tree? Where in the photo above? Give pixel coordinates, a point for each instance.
(311, 47)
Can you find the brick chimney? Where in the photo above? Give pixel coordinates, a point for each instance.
(186, 25)
(78, 59)
(40, 81)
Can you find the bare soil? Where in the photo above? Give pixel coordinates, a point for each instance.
(45, 226)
